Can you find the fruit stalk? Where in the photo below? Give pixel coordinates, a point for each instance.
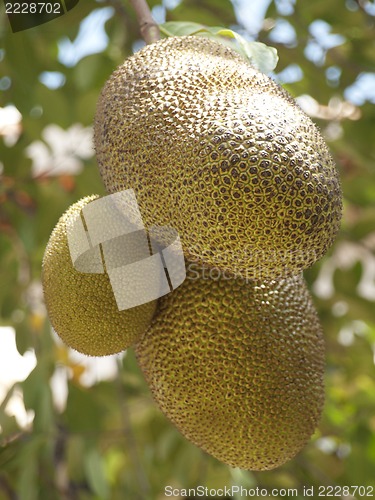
(147, 26)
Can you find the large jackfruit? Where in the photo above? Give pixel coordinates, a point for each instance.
(81, 306)
(237, 367)
(220, 152)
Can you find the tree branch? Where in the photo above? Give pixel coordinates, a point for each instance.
(147, 26)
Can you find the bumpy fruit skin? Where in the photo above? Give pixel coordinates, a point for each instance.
(238, 368)
(81, 306)
(220, 152)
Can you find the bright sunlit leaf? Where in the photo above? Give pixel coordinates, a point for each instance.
(261, 56)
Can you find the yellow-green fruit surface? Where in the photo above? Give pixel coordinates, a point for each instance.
(81, 306)
(223, 154)
(238, 368)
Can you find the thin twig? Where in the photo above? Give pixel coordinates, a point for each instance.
(149, 29)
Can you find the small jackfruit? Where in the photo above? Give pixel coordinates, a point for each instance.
(237, 367)
(220, 152)
(81, 306)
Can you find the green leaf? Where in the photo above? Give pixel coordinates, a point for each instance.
(175, 28)
(259, 55)
(95, 473)
(28, 459)
(24, 339)
(84, 412)
(38, 397)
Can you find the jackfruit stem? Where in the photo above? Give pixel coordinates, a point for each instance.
(148, 28)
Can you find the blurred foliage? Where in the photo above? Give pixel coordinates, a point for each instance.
(110, 441)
